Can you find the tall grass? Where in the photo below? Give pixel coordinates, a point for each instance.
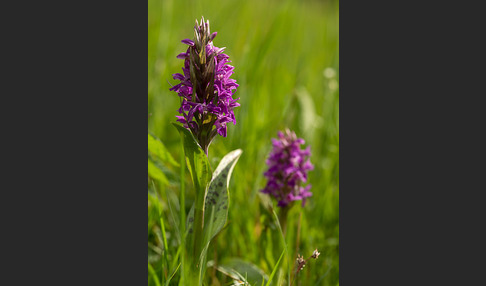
(286, 62)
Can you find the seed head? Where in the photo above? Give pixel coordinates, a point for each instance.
(300, 262)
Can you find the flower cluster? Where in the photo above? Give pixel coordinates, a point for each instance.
(205, 87)
(287, 169)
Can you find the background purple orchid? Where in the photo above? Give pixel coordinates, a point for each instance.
(287, 169)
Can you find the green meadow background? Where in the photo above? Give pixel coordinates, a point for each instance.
(286, 58)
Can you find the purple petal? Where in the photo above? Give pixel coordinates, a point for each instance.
(175, 87)
(188, 42)
(182, 56)
(181, 119)
(178, 76)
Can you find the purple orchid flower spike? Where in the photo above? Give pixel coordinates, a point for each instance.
(205, 87)
(288, 165)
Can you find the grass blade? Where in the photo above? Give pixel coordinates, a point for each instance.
(275, 268)
(154, 275)
(172, 275)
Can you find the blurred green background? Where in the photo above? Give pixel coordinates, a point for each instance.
(286, 58)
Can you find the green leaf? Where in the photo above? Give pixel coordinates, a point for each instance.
(155, 172)
(200, 170)
(237, 277)
(216, 201)
(309, 120)
(158, 158)
(162, 173)
(197, 161)
(158, 149)
(253, 274)
(190, 225)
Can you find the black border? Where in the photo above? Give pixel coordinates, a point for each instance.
(409, 130)
(76, 182)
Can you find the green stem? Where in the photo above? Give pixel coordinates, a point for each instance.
(183, 210)
(198, 225)
(282, 217)
(292, 273)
